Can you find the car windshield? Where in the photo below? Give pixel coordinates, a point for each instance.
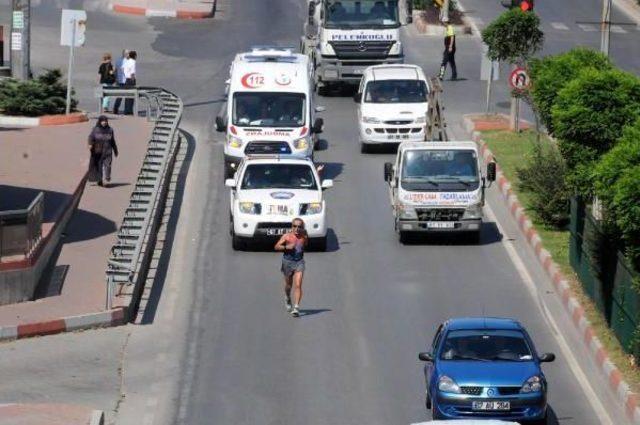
(440, 170)
(361, 13)
(278, 176)
(263, 109)
(396, 91)
(486, 345)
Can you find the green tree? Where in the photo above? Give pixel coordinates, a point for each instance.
(550, 74)
(514, 36)
(617, 184)
(588, 117)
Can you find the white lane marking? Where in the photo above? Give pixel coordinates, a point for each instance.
(588, 27)
(618, 29)
(365, 356)
(559, 26)
(585, 383)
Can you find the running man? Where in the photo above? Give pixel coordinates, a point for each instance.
(292, 245)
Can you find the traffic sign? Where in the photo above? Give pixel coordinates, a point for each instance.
(519, 79)
(72, 27)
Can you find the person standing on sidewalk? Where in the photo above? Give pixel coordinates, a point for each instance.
(102, 145)
(120, 79)
(449, 54)
(129, 69)
(106, 77)
(292, 245)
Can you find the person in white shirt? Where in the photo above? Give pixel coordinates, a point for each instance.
(120, 79)
(129, 70)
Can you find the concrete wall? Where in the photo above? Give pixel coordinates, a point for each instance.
(19, 284)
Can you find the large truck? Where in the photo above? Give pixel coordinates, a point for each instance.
(343, 37)
(438, 187)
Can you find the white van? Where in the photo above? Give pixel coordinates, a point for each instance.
(270, 107)
(392, 104)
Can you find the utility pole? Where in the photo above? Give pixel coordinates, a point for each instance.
(605, 30)
(444, 13)
(21, 39)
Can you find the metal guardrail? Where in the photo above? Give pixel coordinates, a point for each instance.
(21, 230)
(149, 94)
(130, 256)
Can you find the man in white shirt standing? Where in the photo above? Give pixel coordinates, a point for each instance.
(129, 70)
(120, 79)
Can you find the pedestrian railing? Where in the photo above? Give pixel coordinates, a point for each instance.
(148, 94)
(131, 254)
(21, 230)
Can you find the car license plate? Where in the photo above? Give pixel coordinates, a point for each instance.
(397, 136)
(277, 210)
(491, 405)
(357, 71)
(441, 224)
(276, 232)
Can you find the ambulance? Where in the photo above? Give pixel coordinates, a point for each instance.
(270, 107)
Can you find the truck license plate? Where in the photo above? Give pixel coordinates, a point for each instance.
(276, 232)
(397, 136)
(441, 224)
(491, 405)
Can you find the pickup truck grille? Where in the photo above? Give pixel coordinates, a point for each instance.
(267, 148)
(440, 214)
(362, 49)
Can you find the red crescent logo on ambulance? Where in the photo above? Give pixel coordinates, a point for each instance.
(252, 80)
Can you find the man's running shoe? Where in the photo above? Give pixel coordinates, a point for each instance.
(295, 312)
(287, 303)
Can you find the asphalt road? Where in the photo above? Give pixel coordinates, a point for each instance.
(218, 347)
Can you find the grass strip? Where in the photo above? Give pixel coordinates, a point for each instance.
(511, 150)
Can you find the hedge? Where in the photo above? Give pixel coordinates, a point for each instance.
(45, 95)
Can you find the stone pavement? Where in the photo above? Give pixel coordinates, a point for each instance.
(185, 9)
(54, 160)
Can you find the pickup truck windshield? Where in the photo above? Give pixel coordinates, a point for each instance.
(439, 170)
(486, 345)
(278, 176)
(265, 109)
(361, 13)
(396, 91)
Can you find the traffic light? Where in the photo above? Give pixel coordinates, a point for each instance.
(524, 5)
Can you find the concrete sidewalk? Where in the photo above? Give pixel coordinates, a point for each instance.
(55, 160)
(47, 414)
(181, 9)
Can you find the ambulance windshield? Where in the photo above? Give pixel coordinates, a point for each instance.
(264, 109)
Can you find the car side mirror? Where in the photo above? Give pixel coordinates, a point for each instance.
(318, 126)
(491, 171)
(425, 357)
(547, 358)
(357, 97)
(388, 171)
(221, 125)
(327, 184)
(230, 183)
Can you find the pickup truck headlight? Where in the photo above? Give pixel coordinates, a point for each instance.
(301, 143)
(370, 120)
(234, 142)
(250, 208)
(448, 385)
(311, 208)
(407, 213)
(532, 385)
(473, 211)
(421, 119)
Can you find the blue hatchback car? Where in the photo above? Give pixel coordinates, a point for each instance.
(483, 367)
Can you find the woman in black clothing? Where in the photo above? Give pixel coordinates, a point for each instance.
(102, 145)
(106, 77)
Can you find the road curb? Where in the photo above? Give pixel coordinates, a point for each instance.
(142, 11)
(617, 384)
(45, 120)
(100, 319)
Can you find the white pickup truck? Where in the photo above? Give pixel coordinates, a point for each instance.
(437, 187)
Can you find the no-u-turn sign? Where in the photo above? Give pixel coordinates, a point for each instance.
(519, 79)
